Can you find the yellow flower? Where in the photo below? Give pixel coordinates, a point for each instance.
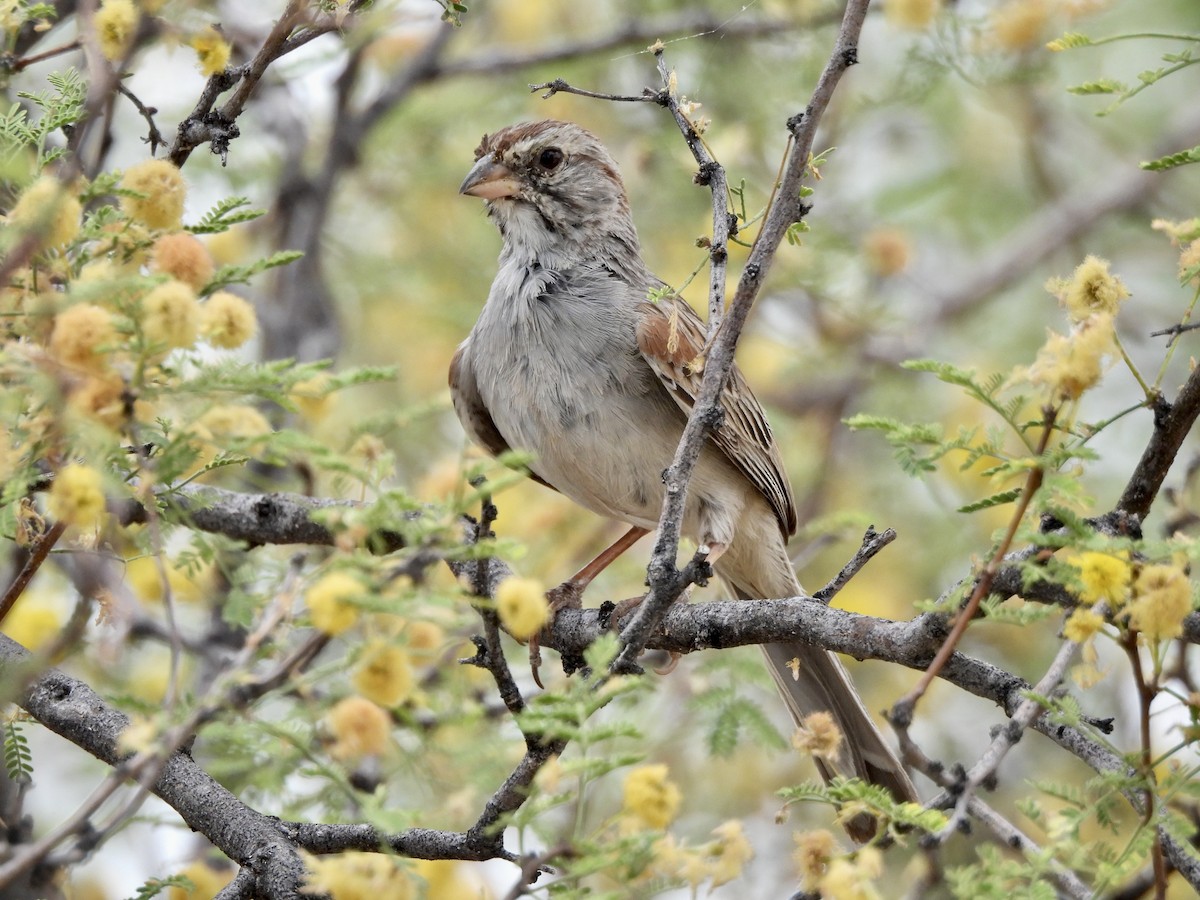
(82, 336)
(47, 209)
(1189, 262)
(731, 853)
(650, 796)
(1069, 365)
(852, 880)
(887, 249)
(183, 257)
(911, 13)
(385, 675)
(116, 23)
(1103, 576)
(329, 603)
(1092, 289)
(161, 191)
(814, 851)
(77, 496)
(1020, 24)
(227, 321)
(1162, 596)
(236, 421)
(171, 315)
(521, 605)
(212, 51)
(1082, 624)
(312, 397)
(359, 728)
(359, 876)
(206, 882)
(819, 735)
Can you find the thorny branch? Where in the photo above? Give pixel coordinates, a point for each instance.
(786, 209)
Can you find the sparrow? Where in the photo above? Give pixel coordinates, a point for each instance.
(574, 363)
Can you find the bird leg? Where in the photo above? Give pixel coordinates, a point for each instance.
(569, 594)
(711, 551)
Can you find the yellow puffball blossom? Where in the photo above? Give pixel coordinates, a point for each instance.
(116, 23)
(814, 851)
(329, 602)
(911, 13)
(236, 421)
(1162, 596)
(424, 640)
(1019, 24)
(212, 52)
(162, 191)
(81, 336)
(49, 210)
(102, 398)
(852, 880)
(31, 622)
(650, 796)
(731, 852)
(77, 496)
(206, 882)
(227, 321)
(359, 728)
(171, 315)
(385, 676)
(183, 257)
(887, 251)
(1069, 365)
(359, 876)
(312, 397)
(1103, 576)
(1082, 625)
(1189, 262)
(1091, 289)
(521, 605)
(819, 735)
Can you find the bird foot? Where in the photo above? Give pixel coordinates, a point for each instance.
(568, 595)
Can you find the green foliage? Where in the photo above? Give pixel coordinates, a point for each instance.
(18, 758)
(60, 107)
(1176, 62)
(155, 886)
(895, 819)
(234, 274)
(224, 215)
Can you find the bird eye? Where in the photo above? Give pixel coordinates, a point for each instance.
(550, 159)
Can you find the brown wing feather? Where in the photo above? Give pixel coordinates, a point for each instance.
(476, 420)
(671, 338)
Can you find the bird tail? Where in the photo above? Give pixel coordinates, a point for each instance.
(812, 680)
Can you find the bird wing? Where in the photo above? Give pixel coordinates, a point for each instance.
(473, 412)
(671, 338)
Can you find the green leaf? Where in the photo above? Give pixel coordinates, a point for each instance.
(1182, 158)
(994, 500)
(156, 886)
(18, 759)
(227, 275)
(1070, 41)
(1100, 86)
(226, 213)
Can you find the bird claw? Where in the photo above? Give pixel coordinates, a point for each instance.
(568, 595)
(676, 656)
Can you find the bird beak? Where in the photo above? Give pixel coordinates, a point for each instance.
(490, 180)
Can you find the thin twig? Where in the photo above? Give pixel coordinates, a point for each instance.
(32, 564)
(872, 543)
(903, 709)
